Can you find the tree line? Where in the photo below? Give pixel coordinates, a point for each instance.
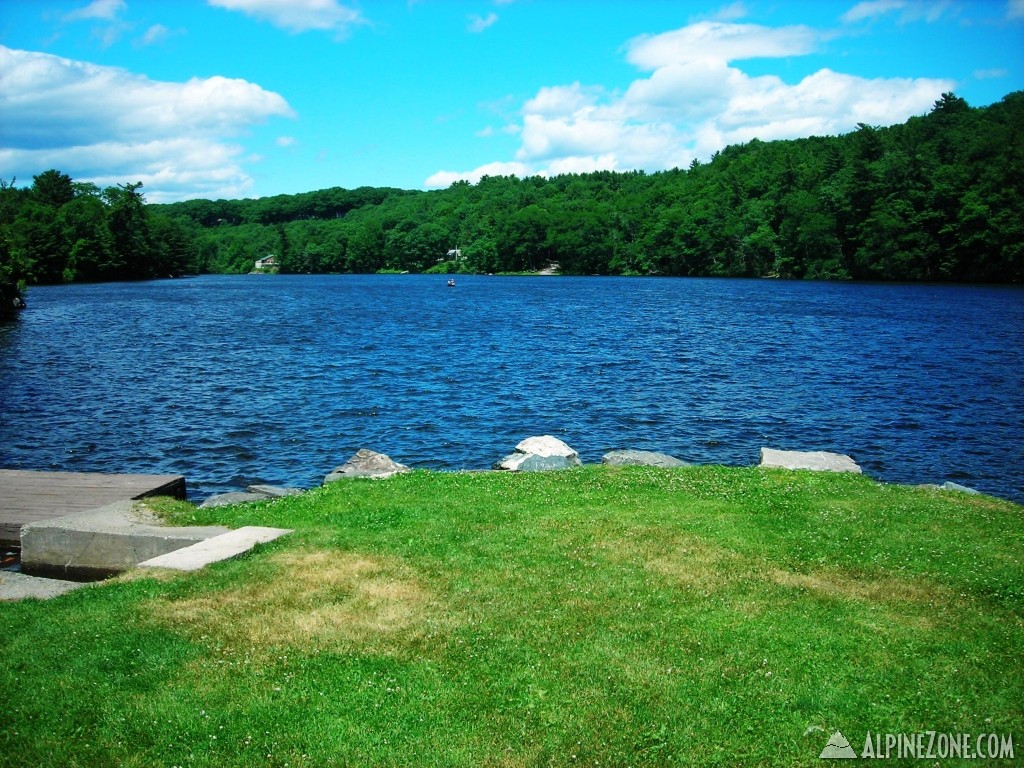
(937, 198)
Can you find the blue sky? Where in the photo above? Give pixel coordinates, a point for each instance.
(250, 98)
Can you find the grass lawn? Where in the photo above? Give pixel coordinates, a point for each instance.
(597, 616)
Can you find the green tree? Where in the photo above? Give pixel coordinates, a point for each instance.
(83, 225)
(52, 188)
(128, 222)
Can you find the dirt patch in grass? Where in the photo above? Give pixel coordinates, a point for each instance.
(841, 586)
(341, 601)
(698, 565)
(689, 562)
(903, 602)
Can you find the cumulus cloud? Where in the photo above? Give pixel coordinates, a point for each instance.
(298, 15)
(695, 100)
(561, 100)
(443, 179)
(720, 41)
(97, 123)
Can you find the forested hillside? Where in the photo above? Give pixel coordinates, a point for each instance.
(937, 198)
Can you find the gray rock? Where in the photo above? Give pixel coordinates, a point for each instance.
(274, 491)
(545, 445)
(538, 454)
(817, 460)
(366, 463)
(641, 458)
(951, 486)
(535, 463)
(234, 497)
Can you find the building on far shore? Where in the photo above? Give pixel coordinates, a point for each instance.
(267, 263)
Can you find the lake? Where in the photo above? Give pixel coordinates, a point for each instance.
(232, 380)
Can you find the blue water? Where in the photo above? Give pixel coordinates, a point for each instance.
(232, 380)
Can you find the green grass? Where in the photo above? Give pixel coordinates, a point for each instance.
(598, 617)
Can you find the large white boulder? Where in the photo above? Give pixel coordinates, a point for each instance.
(537, 454)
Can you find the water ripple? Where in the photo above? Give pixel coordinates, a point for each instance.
(230, 380)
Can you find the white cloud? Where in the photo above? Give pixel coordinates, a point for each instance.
(285, 141)
(909, 10)
(96, 122)
(155, 34)
(719, 41)
(97, 9)
(478, 24)
(578, 164)
(731, 12)
(871, 9)
(443, 179)
(1015, 9)
(695, 102)
(170, 169)
(106, 12)
(562, 100)
(298, 15)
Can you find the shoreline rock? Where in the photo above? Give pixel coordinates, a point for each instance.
(540, 454)
(547, 453)
(252, 493)
(814, 460)
(630, 458)
(366, 463)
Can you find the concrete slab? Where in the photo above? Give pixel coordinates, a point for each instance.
(104, 541)
(30, 497)
(213, 550)
(20, 586)
(817, 460)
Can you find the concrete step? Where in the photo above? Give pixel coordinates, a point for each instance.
(104, 541)
(215, 549)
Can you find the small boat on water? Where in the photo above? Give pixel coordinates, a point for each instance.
(451, 282)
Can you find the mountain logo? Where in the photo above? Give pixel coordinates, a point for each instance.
(838, 748)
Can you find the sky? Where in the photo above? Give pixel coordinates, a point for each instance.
(251, 98)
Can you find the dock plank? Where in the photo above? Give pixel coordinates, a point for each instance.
(29, 497)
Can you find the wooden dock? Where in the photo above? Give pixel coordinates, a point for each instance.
(28, 497)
